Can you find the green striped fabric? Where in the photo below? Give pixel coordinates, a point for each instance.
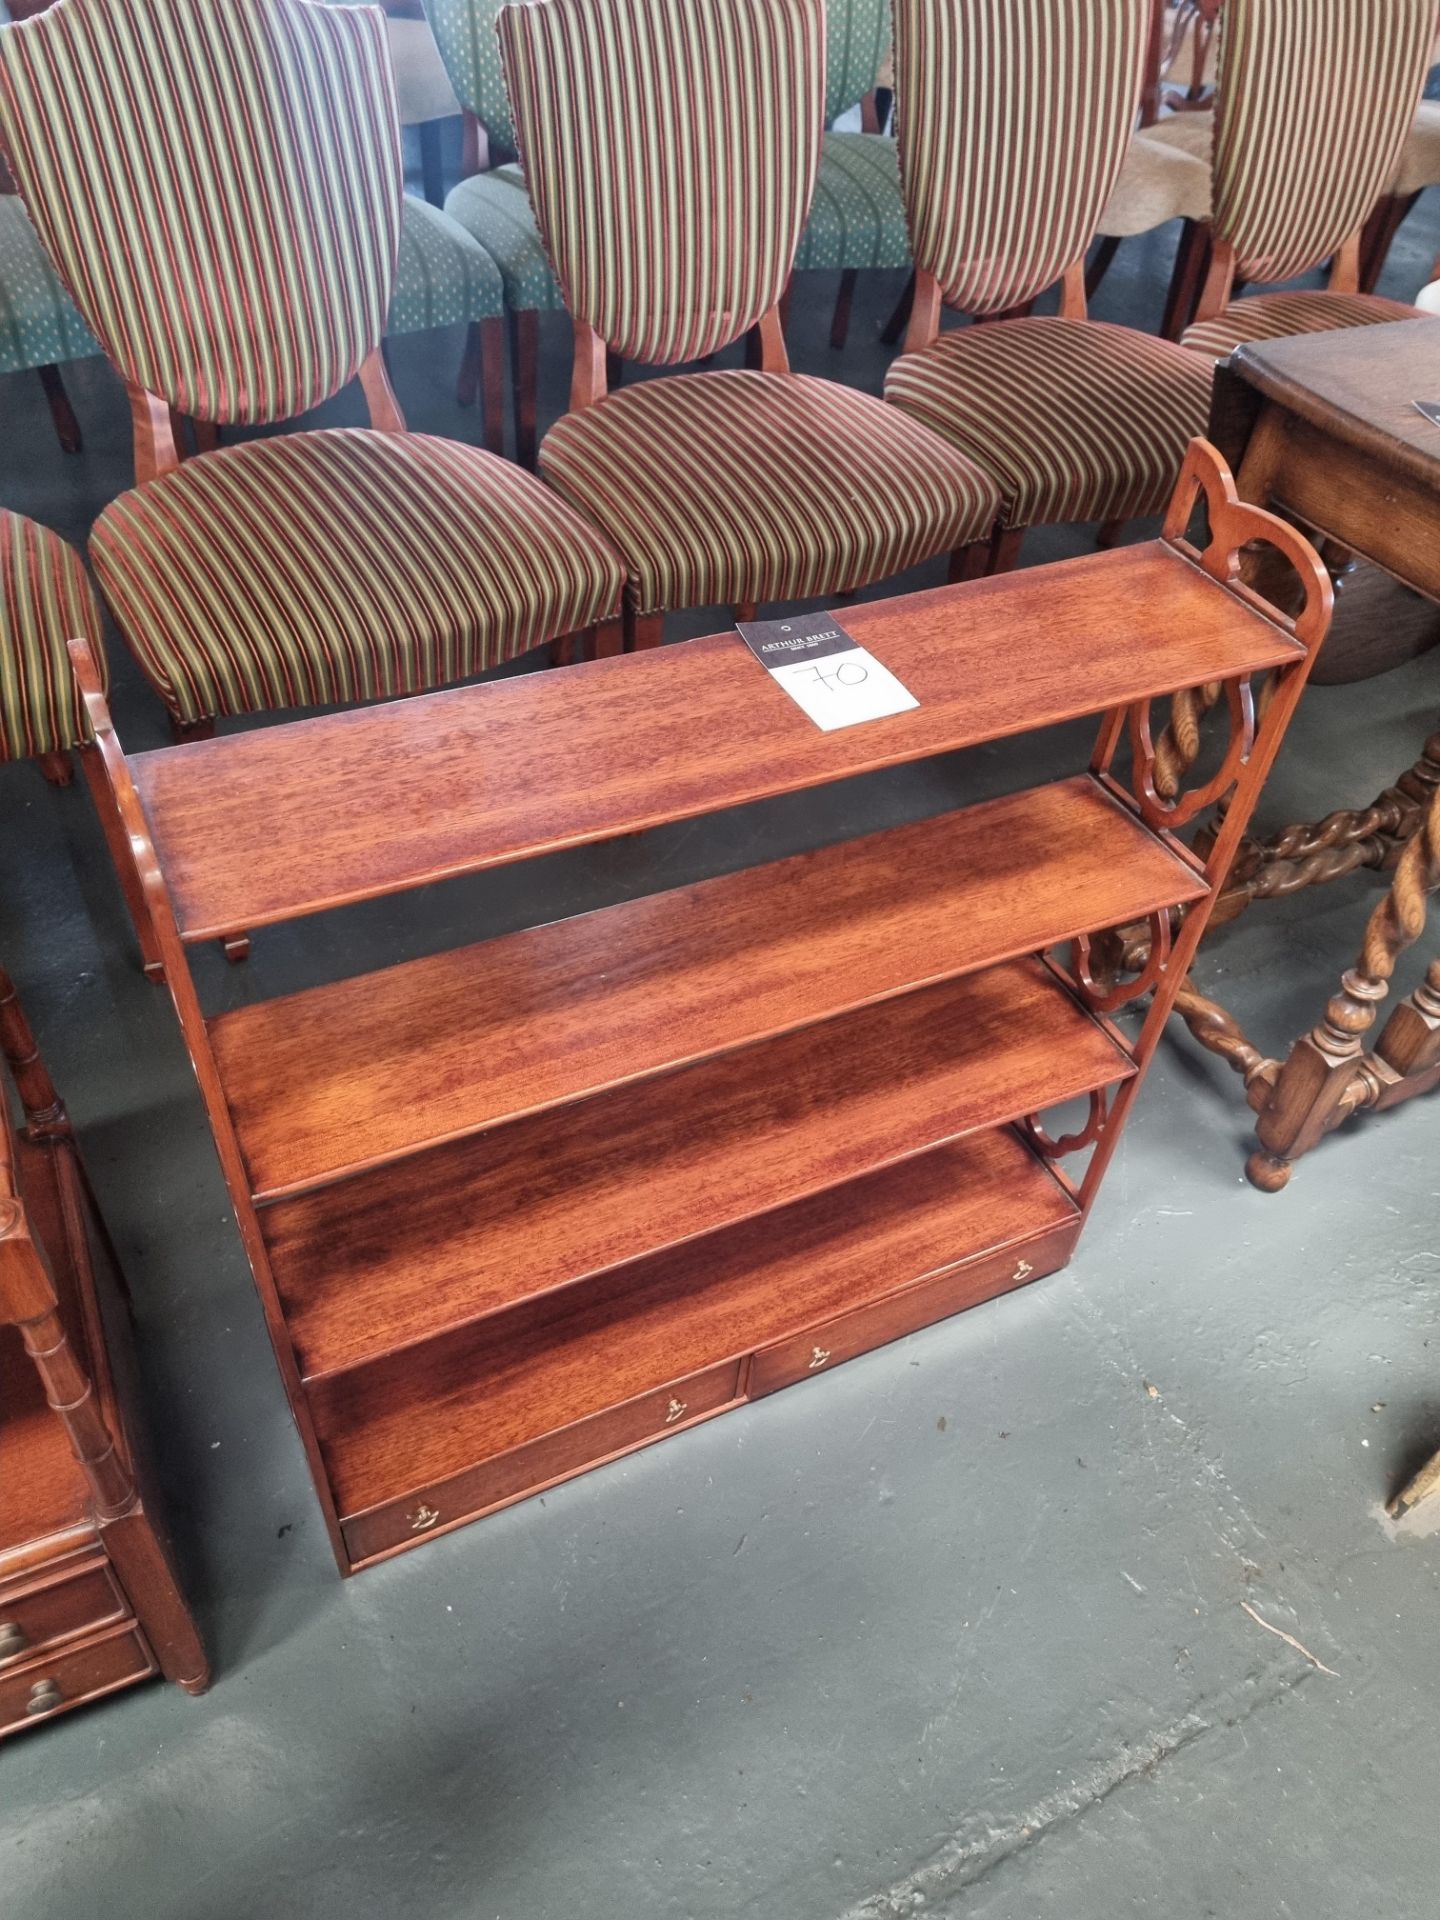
(1014, 118)
(45, 600)
(465, 34)
(219, 182)
(671, 148)
(857, 38)
(1316, 97)
(1276, 316)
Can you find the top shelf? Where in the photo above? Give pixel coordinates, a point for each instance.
(271, 825)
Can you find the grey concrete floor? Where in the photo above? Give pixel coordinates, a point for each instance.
(959, 1629)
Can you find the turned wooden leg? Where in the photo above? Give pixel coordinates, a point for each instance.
(1410, 1039)
(900, 318)
(44, 1110)
(527, 386)
(642, 630)
(467, 387)
(149, 1580)
(844, 306)
(1327, 1076)
(1100, 264)
(124, 862)
(1192, 261)
(56, 768)
(67, 427)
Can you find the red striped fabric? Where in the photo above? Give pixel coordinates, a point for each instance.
(219, 183)
(45, 600)
(671, 148)
(1275, 316)
(1315, 100)
(212, 570)
(1013, 117)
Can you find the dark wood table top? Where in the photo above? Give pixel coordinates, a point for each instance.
(1360, 385)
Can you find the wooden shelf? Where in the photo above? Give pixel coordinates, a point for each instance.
(390, 1261)
(345, 1077)
(419, 1417)
(273, 824)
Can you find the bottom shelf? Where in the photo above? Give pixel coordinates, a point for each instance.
(439, 1434)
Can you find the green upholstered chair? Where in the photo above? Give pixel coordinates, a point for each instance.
(39, 328)
(720, 487)
(45, 600)
(492, 205)
(1005, 177)
(1315, 99)
(303, 568)
(857, 220)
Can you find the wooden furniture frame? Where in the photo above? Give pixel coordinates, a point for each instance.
(506, 1223)
(89, 1601)
(1325, 427)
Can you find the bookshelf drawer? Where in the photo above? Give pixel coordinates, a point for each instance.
(38, 1615)
(40, 1689)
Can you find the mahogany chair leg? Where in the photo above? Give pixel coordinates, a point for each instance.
(642, 630)
(491, 335)
(67, 427)
(188, 730)
(526, 338)
(207, 435)
(1005, 549)
(562, 650)
(124, 862)
(745, 612)
(900, 318)
(1378, 236)
(1101, 262)
(970, 563)
(1111, 533)
(844, 306)
(57, 769)
(467, 387)
(609, 638)
(1192, 263)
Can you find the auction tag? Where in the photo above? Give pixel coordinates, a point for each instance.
(825, 670)
(1431, 410)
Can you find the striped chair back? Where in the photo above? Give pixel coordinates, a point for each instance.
(219, 183)
(857, 36)
(1315, 100)
(45, 600)
(671, 148)
(465, 34)
(1014, 117)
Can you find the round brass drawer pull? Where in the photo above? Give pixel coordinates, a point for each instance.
(12, 1640)
(45, 1696)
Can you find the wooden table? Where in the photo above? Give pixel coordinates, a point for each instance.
(1325, 427)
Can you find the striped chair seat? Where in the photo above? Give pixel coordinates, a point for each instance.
(39, 326)
(211, 573)
(494, 209)
(443, 277)
(857, 218)
(1272, 316)
(45, 600)
(733, 486)
(1078, 419)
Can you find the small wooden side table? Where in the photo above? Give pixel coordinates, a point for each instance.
(1325, 428)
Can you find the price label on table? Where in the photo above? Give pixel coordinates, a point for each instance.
(825, 670)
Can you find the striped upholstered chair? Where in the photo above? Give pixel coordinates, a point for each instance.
(245, 279)
(1014, 118)
(45, 600)
(857, 219)
(720, 487)
(1315, 100)
(491, 203)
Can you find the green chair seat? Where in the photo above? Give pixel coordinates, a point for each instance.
(39, 325)
(494, 209)
(858, 216)
(444, 278)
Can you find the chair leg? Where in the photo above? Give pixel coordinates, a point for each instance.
(562, 650)
(900, 318)
(1100, 263)
(432, 162)
(1111, 533)
(844, 306)
(1005, 549)
(467, 387)
(207, 435)
(57, 769)
(1378, 236)
(609, 638)
(642, 630)
(491, 335)
(526, 340)
(1192, 263)
(67, 427)
(188, 730)
(970, 563)
(745, 612)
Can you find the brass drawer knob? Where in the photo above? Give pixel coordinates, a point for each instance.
(423, 1518)
(12, 1640)
(45, 1696)
(818, 1357)
(675, 1411)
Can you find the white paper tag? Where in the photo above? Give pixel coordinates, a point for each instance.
(825, 670)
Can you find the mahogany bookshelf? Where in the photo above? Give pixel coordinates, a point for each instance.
(520, 1207)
